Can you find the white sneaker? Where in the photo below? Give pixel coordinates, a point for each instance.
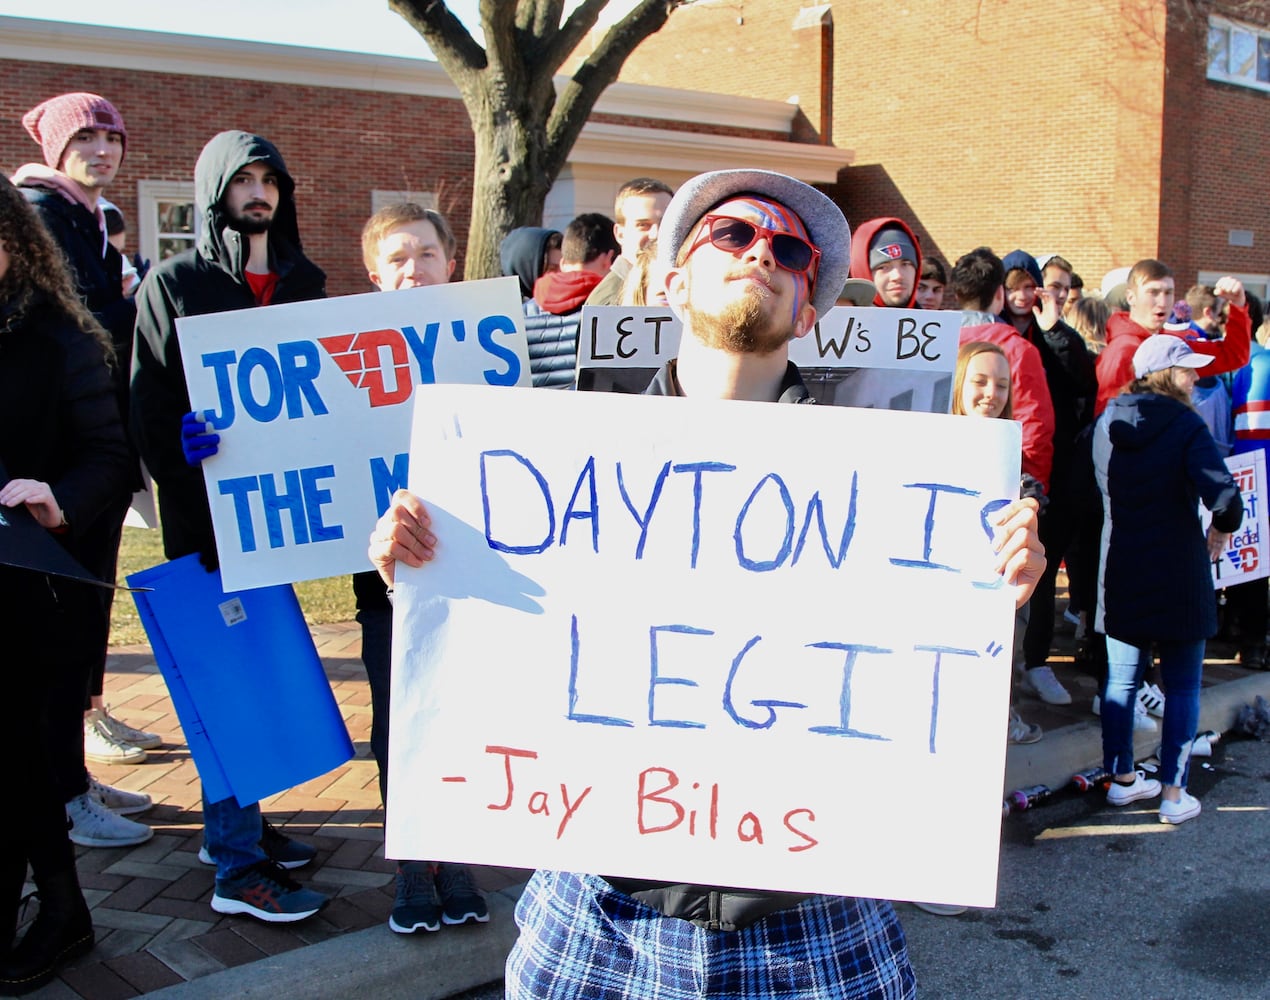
(1202, 745)
(1142, 788)
(119, 800)
(93, 825)
(1186, 807)
(102, 747)
(1141, 721)
(124, 733)
(1151, 699)
(1046, 686)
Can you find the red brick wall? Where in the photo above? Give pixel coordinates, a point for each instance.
(1013, 124)
(703, 47)
(1217, 147)
(339, 145)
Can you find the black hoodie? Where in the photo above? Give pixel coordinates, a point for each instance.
(206, 279)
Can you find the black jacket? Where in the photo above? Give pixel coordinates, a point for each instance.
(1073, 386)
(207, 279)
(58, 424)
(1155, 462)
(98, 276)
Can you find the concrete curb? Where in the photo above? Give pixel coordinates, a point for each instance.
(373, 962)
(1074, 748)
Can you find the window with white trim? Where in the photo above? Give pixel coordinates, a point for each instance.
(1238, 53)
(167, 222)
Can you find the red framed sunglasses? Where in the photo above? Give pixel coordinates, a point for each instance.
(793, 253)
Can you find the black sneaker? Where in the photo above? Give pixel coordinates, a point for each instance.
(461, 901)
(265, 891)
(282, 850)
(278, 848)
(416, 907)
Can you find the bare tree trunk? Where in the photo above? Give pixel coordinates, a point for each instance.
(523, 133)
(509, 187)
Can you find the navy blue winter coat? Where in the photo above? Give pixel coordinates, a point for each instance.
(1155, 461)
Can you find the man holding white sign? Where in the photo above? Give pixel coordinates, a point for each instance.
(407, 246)
(752, 258)
(248, 255)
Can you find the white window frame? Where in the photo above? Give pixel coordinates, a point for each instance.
(149, 194)
(1258, 37)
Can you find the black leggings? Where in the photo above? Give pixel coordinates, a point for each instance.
(36, 621)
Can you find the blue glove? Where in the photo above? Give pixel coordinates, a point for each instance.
(197, 441)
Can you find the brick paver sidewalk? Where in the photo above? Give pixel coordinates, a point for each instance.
(151, 903)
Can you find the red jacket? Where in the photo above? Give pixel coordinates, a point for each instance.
(1033, 407)
(563, 292)
(1115, 363)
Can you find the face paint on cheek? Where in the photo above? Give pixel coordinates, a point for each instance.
(802, 292)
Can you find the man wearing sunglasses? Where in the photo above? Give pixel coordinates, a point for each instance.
(751, 258)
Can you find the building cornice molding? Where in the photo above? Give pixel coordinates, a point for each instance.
(636, 148)
(126, 48)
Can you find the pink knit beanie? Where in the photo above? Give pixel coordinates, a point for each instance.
(54, 123)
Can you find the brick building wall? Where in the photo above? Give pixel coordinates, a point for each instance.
(1086, 128)
(748, 49)
(339, 145)
(1216, 150)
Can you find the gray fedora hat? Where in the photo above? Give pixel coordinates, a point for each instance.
(824, 220)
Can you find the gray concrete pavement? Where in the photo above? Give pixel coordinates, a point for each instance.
(1095, 902)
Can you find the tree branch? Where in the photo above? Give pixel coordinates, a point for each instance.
(456, 50)
(575, 103)
(502, 42)
(571, 33)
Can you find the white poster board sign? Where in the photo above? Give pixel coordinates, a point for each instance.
(887, 359)
(312, 404)
(1247, 554)
(726, 642)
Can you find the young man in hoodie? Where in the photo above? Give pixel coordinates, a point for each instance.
(83, 139)
(1033, 306)
(587, 253)
(1149, 292)
(977, 282)
(886, 252)
(248, 254)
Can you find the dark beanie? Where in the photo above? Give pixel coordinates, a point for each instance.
(1021, 260)
(891, 244)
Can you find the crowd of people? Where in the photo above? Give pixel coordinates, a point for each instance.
(94, 386)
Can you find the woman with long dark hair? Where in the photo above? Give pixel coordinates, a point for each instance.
(65, 461)
(1155, 461)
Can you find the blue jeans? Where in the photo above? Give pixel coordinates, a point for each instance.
(232, 835)
(1181, 666)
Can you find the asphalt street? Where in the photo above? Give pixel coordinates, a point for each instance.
(1095, 902)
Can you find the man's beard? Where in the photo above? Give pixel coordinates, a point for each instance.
(738, 328)
(248, 225)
